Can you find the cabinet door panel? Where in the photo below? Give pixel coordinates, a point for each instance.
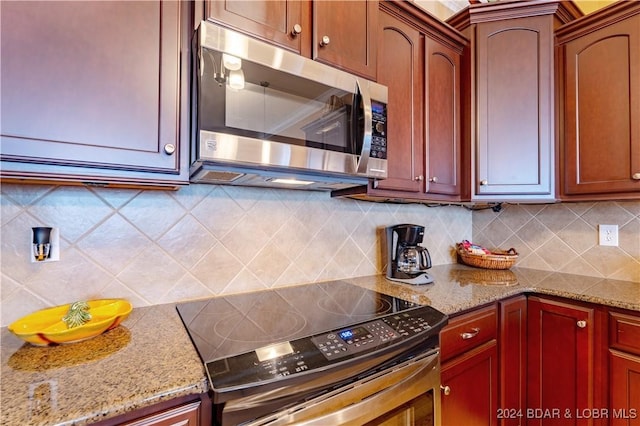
(625, 389)
(473, 384)
(351, 28)
(514, 103)
(400, 45)
(442, 69)
(91, 84)
(561, 359)
(272, 21)
(513, 358)
(602, 106)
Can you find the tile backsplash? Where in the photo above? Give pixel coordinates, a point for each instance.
(564, 237)
(155, 247)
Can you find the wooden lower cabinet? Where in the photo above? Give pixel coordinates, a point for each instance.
(469, 373)
(566, 373)
(185, 415)
(541, 360)
(512, 360)
(470, 381)
(624, 368)
(187, 410)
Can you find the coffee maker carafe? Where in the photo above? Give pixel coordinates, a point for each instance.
(408, 260)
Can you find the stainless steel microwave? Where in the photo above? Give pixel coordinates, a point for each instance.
(264, 116)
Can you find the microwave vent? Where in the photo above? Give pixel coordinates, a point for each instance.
(218, 176)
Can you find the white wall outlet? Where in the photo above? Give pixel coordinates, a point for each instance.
(608, 235)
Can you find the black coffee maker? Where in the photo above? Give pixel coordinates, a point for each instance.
(408, 261)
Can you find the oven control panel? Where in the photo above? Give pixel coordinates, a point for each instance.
(353, 340)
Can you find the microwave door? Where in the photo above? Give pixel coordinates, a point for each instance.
(362, 106)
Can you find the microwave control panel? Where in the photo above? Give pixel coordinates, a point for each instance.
(379, 130)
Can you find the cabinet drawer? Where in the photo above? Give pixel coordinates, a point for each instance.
(468, 331)
(624, 332)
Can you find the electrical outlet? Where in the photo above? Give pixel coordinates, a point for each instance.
(608, 235)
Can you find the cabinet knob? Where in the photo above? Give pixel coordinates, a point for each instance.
(169, 149)
(445, 389)
(297, 29)
(433, 179)
(484, 182)
(325, 41)
(581, 324)
(419, 178)
(636, 176)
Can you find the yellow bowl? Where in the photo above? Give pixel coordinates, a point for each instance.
(45, 327)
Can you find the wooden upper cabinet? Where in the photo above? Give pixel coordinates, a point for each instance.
(419, 61)
(512, 97)
(600, 139)
(92, 91)
(344, 35)
(286, 23)
(515, 107)
(443, 173)
(401, 69)
(338, 33)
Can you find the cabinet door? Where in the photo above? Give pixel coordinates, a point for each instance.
(561, 340)
(92, 89)
(470, 383)
(402, 45)
(286, 23)
(345, 35)
(515, 136)
(442, 75)
(601, 143)
(625, 389)
(513, 360)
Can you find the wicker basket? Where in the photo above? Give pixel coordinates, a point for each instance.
(498, 259)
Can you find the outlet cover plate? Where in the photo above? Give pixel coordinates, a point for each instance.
(608, 235)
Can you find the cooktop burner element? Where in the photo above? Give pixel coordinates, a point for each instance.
(226, 326)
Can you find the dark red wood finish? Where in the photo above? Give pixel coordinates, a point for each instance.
(512, 345)
(95, 91)
(600, 105)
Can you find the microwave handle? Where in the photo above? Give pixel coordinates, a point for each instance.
(363, 90)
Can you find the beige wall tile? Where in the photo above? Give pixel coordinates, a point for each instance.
(203, 240)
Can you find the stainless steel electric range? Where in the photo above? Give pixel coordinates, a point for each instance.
(307, 354)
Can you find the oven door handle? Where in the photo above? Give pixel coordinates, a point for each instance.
(368, 398)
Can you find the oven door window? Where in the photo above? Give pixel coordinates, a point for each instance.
(273, 105)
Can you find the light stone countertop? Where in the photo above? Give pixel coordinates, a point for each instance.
(149, 358)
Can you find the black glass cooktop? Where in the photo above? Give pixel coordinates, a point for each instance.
(222, 327)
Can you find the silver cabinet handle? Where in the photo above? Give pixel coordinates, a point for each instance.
(169, 149)
(484, 182)
(297, 29)
(433, 179)
(419, 178)
(471, 335)
(445, 389)
(581, 324)
(325, 41)
(636, 176)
